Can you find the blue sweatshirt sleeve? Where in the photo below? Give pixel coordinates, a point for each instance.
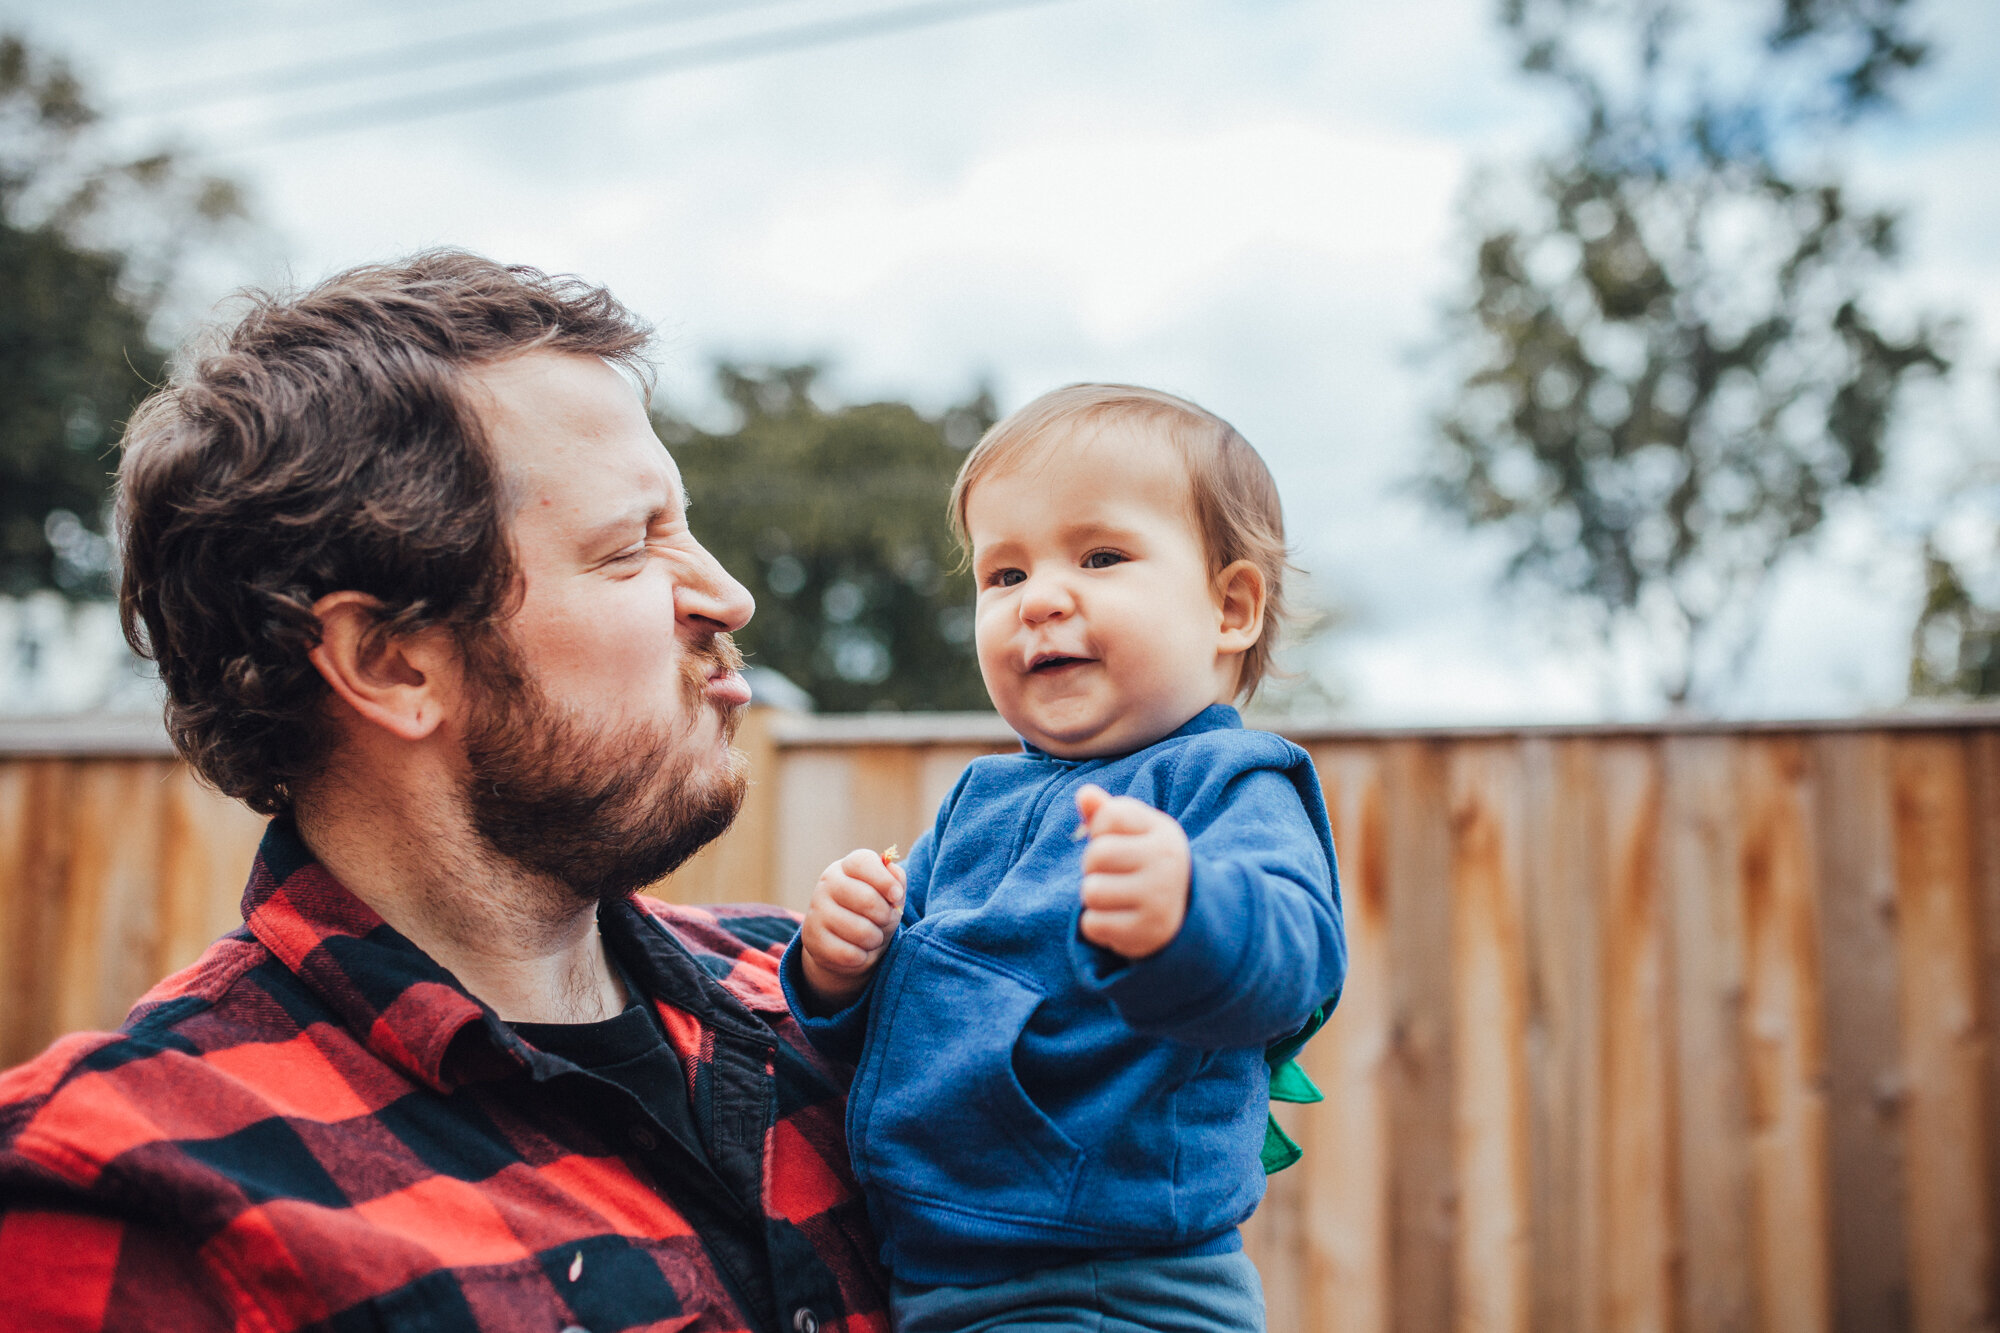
(1262, 945)
(838, 1036)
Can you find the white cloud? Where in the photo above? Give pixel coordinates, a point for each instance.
(1129, 224)
(1251, 203)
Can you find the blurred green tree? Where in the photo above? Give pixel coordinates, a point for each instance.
(89, 249)
(834, 517)
(1955, 648)
(1955, 644)
(1668, 359)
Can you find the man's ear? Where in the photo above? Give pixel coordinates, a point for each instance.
(399, 682)
(1240, 595)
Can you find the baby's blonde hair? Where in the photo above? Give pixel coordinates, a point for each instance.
(1232, 500)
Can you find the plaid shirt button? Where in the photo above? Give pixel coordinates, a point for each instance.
(804, 1320)
(645, 1138)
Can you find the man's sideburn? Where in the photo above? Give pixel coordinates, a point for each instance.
(603, 812)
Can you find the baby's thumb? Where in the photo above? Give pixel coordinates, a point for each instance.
(1090, 798)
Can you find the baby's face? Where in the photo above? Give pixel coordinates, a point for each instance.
(1097, 623)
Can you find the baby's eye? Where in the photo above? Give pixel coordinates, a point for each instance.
(1102, 560)
(1004, 578)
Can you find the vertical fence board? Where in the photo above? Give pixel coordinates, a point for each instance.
(47, 908)
(816, 800)
(1865, 1078)
(1274, 1237)
(78, 924)
(1635, 1051)
(888, 805)
(1950, 1227)
(207, 843)
(33, 838)
(1489, 1047)
(740, 865)
(1699, 862)
(1790, 1226)
(1560, 780)
(1348, 1138)
(937, 773)
(17, 978)
(1417, 849)
(1983, 747)
(111, 942)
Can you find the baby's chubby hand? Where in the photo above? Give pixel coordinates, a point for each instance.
(853, 915)
(1135, 874)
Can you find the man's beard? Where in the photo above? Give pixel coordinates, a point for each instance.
(600, 812)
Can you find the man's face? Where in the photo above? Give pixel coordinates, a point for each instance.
(598, 742)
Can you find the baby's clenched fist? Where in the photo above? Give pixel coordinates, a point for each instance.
(1136, 873)
(853, 915)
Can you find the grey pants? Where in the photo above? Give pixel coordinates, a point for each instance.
(1213, 1293)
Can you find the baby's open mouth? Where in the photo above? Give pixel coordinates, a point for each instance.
(1046, 664)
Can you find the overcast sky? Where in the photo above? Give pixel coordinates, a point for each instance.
(1250, 203)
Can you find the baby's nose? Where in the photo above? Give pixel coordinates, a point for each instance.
(1044, 599)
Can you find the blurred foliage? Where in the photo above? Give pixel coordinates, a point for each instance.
(1301, 687)
(1955, 649)
(89, 247)
(834, 517)
(1955, 644)
(1669, 360)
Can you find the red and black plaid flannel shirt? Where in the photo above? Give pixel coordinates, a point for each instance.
(316, 1127)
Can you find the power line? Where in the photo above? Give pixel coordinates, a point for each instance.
(455, 49)
(470, 97)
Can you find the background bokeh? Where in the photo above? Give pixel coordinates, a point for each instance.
(1268, 206)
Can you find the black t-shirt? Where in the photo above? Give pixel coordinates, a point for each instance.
(631, 1050)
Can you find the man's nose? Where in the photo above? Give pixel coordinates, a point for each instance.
(708, 598)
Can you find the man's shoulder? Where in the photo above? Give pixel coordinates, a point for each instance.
(728, 929)
(739, 944)
(211, 982)
(92, 1097)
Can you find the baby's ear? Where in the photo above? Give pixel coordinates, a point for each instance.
(1240, 594)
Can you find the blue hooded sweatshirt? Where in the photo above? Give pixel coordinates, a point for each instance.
(1023, 1098)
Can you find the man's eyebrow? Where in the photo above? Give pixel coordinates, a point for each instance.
(625, 522)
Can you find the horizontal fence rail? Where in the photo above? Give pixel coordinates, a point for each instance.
(1648, 1028)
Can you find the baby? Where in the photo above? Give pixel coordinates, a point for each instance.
(1060, 1094)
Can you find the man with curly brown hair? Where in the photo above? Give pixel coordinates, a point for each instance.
(419, 581)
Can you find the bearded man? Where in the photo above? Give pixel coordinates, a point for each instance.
(419, 581)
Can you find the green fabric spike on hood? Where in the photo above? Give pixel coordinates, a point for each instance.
(1289, 1084)
(1279, 1150)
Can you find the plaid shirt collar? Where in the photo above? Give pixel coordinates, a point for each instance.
(415, 1015)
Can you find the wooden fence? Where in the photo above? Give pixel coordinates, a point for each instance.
(1681, 1028)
